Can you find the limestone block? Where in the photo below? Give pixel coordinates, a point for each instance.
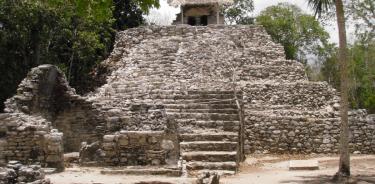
(167, 144)
(54, 158)
(123, 141)
(109, 138)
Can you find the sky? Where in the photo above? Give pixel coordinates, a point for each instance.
(166, 14)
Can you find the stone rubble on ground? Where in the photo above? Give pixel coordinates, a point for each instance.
(16, 173)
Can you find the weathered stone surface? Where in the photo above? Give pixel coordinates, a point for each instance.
(140, 148)
(90, 152)
(313, 132)
(303, 165)
(18, 173)
(171, 84)
(208, 178)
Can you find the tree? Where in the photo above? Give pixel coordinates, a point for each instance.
(299, 33)
(363, 13)
(361, 66)
(75, 35)
(362, 73)
(238, 12)
(321, 6)
(129, 13)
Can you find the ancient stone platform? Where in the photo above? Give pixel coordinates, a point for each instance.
(303, 165)
(201, 96)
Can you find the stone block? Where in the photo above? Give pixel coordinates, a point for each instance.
(303, 165)
(54, 158)
(109, 138)
(123, 141)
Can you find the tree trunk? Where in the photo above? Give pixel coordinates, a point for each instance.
(35, 44)
(71, 60)
(344, 165)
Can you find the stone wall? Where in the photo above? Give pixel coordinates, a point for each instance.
(273, 133)
(149, 69)
(284, 112)
(184, 57)
(46, 93)
(80, 123)
(30, 139)
(139, 117)
(145, 136)
(131, 148)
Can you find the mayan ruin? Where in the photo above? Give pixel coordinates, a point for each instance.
(196, 100)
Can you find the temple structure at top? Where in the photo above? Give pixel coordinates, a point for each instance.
(200, 12)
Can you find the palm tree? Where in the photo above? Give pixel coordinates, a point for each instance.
(321, 6)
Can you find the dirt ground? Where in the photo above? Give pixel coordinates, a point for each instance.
(257, 169)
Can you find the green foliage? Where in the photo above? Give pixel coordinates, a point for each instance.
(362, 75)
(145, 5)
(321, 6)
(72, 34)
(127, 14)
(363, 13)
(299, 33)
(238, 13)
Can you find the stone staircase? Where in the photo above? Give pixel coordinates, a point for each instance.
(209, 125)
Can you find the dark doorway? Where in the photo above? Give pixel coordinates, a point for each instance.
(192, 21)
(204, 20)
(198, 21)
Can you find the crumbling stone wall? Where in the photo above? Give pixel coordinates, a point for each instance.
(146, 137)
(43, 92)
(140, 148)
(149, 68)
(46, 93)
(30, 139)
(80, 123)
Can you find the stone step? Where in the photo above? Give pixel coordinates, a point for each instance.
(202, 101)
(219, 172)
(210, 136)
(204, 116)
(250, 60)
(224, 111)
(222, 126)
(200, 106)
(207, 96)
(194, 101)
(210, 156)
(197, 165)
(142, 171)
(208, 146)
(210, 92)
(290, 114)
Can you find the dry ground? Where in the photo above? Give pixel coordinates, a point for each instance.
(257, 169)
(274, 169)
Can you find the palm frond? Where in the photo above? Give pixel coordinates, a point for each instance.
(321, 6)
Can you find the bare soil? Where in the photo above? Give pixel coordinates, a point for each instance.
(257, 169)
(260, 169)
